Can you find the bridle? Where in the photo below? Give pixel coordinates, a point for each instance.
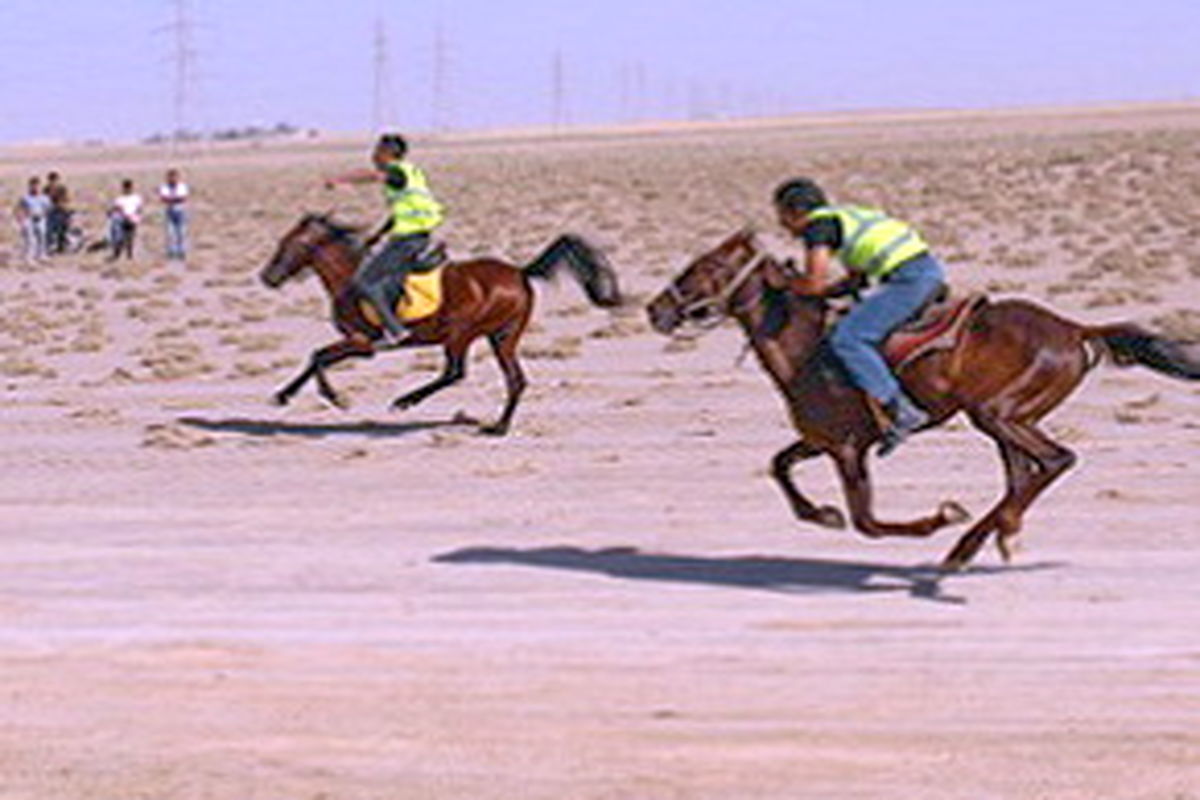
(707, 313)
(311, 251)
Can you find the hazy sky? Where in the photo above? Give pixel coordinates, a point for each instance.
(106, 68)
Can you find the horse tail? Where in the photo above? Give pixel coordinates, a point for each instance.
(1128, 344)
(589, 266)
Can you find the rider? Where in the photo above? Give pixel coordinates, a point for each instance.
(414, 213)
(872, 247)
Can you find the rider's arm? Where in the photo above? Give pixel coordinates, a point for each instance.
(815, 279)
(821, 237)
(357, 176)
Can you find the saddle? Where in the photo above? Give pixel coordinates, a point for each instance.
(936, 327)
(419, 295)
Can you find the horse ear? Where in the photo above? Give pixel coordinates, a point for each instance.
(739, 238)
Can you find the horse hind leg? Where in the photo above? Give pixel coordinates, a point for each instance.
(802, 507)
(1017, 466)
(1033, 462)
(504, 345)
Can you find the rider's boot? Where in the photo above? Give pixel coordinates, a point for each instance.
(394, 330)
(906, 418)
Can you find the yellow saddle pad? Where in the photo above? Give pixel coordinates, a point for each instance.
(422, 298)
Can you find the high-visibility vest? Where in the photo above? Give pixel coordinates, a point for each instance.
(872, 242)
(414, 208)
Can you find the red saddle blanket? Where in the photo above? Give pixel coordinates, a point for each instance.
(937, 328)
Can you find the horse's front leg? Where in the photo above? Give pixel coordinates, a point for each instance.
(802, 507)
(318, 362)
(453, 372)
(856, 483)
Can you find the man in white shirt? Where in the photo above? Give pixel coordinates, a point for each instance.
(174, 194)
(31, 212)
(123, 217)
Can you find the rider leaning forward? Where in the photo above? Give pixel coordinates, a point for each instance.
(413, 214)
(877, 249)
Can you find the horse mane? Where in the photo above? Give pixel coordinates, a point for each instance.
(778, 301)
(337, 230)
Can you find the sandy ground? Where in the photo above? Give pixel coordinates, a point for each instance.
(205, 596)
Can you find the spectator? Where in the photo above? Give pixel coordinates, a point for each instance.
(31, 212)
(58, 221)
(174, 194)
(124, 215)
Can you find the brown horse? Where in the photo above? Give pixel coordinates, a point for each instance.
(480, 297)
(1014, 364)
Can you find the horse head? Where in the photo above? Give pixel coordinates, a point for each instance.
(301, 246)
(712, 286)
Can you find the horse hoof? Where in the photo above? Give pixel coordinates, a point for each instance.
(952, 513)
(400, 404)
(830, 517)
(493, 430)
(281, 399)
(1008, 546)
(952, 564)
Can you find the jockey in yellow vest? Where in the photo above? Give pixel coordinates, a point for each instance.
(875, 249)
(413, 214)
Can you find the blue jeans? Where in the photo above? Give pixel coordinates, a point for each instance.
(857, 338)
(33, 230)
(176, 219)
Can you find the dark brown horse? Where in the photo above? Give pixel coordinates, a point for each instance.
(480, 297)
(1015, 363)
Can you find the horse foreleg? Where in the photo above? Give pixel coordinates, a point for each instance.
(1038, 462)
(318, 362)
(453, 372)
(802, 507)
(504, 345)
(856, 483)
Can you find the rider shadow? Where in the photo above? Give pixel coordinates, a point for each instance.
(785, 575)
(369, 428)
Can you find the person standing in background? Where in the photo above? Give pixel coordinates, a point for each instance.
(58, 221)
(31, 213)
(174, 194)
(124, 215)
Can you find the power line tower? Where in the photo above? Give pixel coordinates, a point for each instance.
(183, 60)
(441, 111)
(558, 90)
(382, 107)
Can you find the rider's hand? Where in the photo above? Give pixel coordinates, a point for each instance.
(805, 285)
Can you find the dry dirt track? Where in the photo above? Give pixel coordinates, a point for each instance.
(204, 597)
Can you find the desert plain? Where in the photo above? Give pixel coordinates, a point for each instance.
(204, 596)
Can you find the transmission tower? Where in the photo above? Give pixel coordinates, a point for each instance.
(183, 59)
(558, 90)
(441, 110)
(382, 107)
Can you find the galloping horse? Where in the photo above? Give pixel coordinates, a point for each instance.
(480, 297)
(1015, 362)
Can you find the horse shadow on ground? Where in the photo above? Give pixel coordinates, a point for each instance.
(368, 428)
(773, 574)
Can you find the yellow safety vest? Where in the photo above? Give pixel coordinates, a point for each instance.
(414, 208)
(872, 242)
